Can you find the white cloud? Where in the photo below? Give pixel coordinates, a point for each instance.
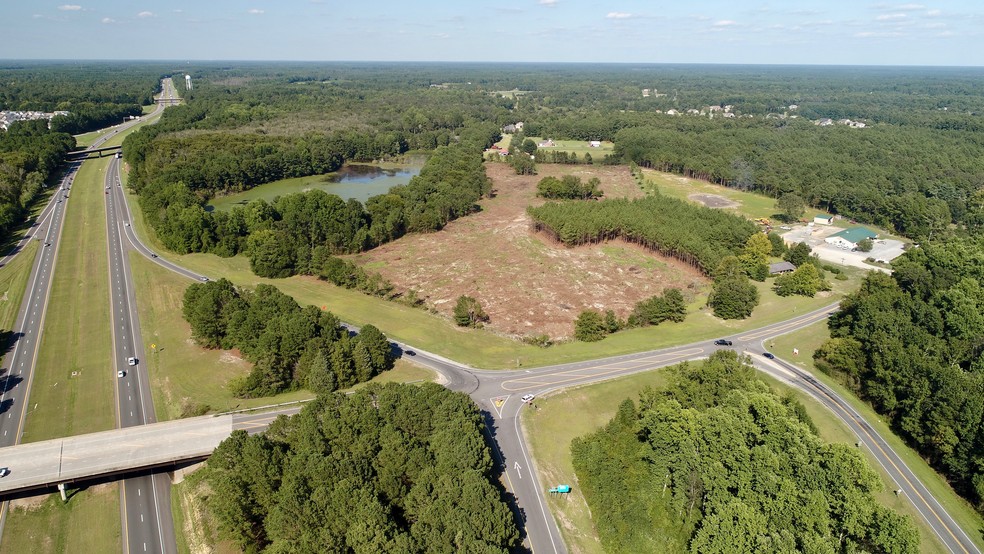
(144, 15)
(618, 15)
(70, 7)
(724, 23)
(255, 11)
(877, 34)
(911, 7)
(891, 17)
(108, 20)
(934, 13)
(548, 3)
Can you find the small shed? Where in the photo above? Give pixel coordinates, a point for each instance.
(594, 143)
(781, 267)
(823, 219)
(848, 239)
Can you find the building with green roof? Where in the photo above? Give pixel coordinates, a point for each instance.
(848, 239)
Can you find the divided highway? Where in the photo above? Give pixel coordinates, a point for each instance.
(148, 528)
(145, 500)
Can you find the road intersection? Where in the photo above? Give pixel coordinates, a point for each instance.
(497, 392)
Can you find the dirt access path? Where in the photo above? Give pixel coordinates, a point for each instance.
(526, 283)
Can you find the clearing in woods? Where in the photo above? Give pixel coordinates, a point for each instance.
(526, 283)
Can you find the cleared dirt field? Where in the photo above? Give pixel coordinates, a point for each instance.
(526, 283)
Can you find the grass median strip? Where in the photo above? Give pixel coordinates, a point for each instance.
(88, 522)
(72, 391)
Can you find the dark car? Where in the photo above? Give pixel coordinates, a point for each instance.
(722, 342)
(769, 355)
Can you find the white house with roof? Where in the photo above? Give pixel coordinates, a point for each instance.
(848, 239)
(823, 219)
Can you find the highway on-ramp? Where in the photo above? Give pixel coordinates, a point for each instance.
(499, 393)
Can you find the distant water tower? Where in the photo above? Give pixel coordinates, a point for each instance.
(188, 82)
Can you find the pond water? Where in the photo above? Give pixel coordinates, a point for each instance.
(358, 181)
(362, 181)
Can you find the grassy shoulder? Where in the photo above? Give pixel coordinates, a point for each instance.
(13, 285)
(480, 348)
(572, 413)
(88, 522)
(189, 380)
(74, 380)
(807, 340)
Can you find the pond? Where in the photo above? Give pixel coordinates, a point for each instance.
(358, 181)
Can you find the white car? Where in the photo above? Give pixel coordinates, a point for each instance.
(528, 398)
(131, 361)
(121, 374)
(4, 471)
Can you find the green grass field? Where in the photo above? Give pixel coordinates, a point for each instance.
(579, 147)
(13, 285)
(88, 522)
(480, 348)
(549, 431)
(750, 204)
(572, 413)
(185, 378)
(807, 340)
(74, 380)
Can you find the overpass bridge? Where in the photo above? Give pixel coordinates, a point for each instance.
(42, 466)
(82, 154)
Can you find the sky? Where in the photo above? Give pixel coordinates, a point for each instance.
(841, 32)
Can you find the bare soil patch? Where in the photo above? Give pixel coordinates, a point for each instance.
(526, 283)
(713, 200)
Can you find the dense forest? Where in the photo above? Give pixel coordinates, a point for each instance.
(914, 180)
(290, 347)
(912, 344)
(96, 94)
(717, 463)
(30, 156)
(693, 234)
(392, 468)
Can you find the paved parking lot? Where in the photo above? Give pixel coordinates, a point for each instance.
(813, 235)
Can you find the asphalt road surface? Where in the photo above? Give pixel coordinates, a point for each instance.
(18, 368)
(145, 500)
(499, 394)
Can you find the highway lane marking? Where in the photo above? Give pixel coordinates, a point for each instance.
(864, 426)
(535, 381)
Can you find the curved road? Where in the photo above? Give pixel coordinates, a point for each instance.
(498, 394)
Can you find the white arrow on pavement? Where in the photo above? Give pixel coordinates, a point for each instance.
(517, 467)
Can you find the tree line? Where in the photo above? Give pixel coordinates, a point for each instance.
(30, 156)
(912, 344)
(290, 347)
(696, 235)
(910, 179)
(298, 232)
(391, 468)
(716, 462)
